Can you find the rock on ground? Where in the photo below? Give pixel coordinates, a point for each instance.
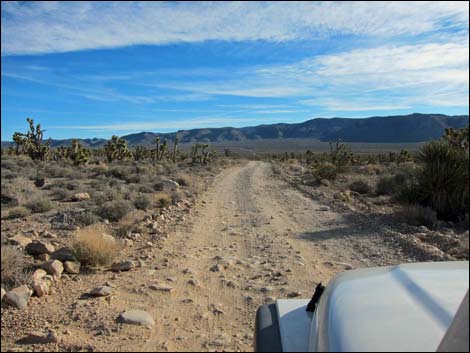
(122, 266)
(37, 247)
(53, 267)
(136, 317)
(18, 297)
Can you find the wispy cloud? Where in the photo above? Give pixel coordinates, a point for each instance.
(50, 27)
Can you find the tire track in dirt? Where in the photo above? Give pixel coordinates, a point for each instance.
(247, 223)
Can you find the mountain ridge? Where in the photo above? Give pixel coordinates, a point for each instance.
(414, 127)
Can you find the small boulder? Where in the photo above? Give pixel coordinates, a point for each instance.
(122, 266)
(18, 297)
(216, 268)
(102, 291)
(161, 288)
(168, 185)
(64, 254)
(41, 286)
(37, 247)
(53, 267)
(72, 267)
(44, 257)
(3, 293)
(136, 317)
(324, 208)
(81, 196)
(38, 275)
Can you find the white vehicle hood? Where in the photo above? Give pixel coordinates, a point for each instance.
(403, 308)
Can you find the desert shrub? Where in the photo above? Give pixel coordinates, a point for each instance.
(122, 172)
(326, 171)
(372, 169)
(158, 186)
(9, 175)
(146, 189)
(39, 205)
(360, 186)
(9, 196)
(91, 248)
(57, 171)
(18, 212)
(418, 215)
(86, 218)
(13, 268)
(114, 210)
(142, 202)
(387, 185)
(72, 186)
(177, 196)
(163, 200)
(184, 180)
(443, 183)
(60, 194)
(8, 164)
(124, 230)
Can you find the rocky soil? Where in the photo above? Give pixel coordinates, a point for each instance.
(195, 284)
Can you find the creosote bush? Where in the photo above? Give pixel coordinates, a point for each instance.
(40, 205)
(114, 210)
(326, 171)
(93, 247)
(142, 202)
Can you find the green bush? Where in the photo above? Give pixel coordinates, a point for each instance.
(360, 186)
(114, 210)
(443, 183)
(40, 205)
(326, 171)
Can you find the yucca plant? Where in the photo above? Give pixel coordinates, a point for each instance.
(443, 182)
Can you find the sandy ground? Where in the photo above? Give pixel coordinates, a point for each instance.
(268, 240)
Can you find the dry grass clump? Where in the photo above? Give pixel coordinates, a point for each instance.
(93, 248)
(163, 199)
(184, 179)
(18, 212)
(13, 267)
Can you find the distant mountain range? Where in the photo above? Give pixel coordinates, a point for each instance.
(384, 129)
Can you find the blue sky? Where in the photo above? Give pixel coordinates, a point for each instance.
(94, 69)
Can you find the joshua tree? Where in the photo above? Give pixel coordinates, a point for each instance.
(116, 148)
(32, 142)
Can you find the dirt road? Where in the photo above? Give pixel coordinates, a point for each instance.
(251, 239)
